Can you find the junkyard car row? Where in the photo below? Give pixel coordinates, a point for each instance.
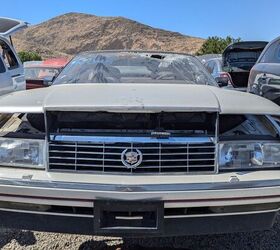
(135, 143)
(232, 68)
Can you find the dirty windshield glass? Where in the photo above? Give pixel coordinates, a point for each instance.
(39, 73)
(133, 67)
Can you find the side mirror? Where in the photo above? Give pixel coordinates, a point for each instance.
(48, 80)
(222, 81)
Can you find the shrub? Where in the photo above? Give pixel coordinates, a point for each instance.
(26, 56)
(216, 45)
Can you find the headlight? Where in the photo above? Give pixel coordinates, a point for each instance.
(248, 155)
(22, 153)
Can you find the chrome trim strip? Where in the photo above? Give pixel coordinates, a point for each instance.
(165, 217)
(140, 188)
(87, 145)
(217, 149)
(45, 213)
(220, 214)
(114, 139)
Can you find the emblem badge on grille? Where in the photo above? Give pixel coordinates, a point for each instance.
(131, 158)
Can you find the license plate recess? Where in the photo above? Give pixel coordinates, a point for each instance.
(128, 217)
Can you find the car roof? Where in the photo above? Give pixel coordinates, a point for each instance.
(49, 63)
(209, 57)
(267, 46)
(55, 62)
(30, 64)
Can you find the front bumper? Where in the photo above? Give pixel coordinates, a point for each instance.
(171, 226)
(191, 206)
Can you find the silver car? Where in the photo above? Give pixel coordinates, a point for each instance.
(132, 143)
(11, 69)
(264, 77)
(215, 67)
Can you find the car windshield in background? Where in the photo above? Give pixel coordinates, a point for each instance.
(134, 67)
(39, 73)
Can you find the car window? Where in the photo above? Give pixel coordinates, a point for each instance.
(207, 67)
(2, 66)
(210, 66)
(219, 66)
(215, 67)
(39, 73)
(8, 56)
(272, 54)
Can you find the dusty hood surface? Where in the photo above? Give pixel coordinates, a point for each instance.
(136, 98)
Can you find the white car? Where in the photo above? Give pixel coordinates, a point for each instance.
(138, 144)
(11, 69)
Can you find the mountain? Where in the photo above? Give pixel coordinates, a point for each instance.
(71, 33)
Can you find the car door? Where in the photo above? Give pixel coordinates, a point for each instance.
(14, 68)
(13, 65)
(6, 82)
(264, 77)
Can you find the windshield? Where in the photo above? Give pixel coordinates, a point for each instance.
(40, 73)
(134, 67)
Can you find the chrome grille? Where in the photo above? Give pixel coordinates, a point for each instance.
(158, 157)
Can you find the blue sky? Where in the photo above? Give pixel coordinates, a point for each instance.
(248, 19)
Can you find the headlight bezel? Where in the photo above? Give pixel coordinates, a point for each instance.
(24, 147)
(253, 165)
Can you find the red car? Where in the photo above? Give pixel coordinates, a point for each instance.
(40, 74)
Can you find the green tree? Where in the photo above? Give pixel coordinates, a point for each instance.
(216, 45)
(26, 56)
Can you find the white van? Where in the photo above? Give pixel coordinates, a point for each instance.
(11, 69)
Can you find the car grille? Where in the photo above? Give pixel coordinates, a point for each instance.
(157, 157)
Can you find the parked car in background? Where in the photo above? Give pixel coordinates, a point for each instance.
(204, 58)
(40, 74)
(138, 144)
(11, 69)
(264, 77)
(238, 59)
(214, 64)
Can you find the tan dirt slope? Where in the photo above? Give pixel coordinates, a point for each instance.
(74, 32)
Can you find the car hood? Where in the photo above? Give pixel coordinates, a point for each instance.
(136, 98)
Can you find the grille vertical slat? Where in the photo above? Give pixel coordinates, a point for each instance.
(103, 158)
(76, 156)
(159, 154)
(188, 163)
(158, 157)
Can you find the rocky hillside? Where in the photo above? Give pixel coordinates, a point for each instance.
(72, 33)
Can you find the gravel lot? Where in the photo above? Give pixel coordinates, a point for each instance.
(35, 240)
